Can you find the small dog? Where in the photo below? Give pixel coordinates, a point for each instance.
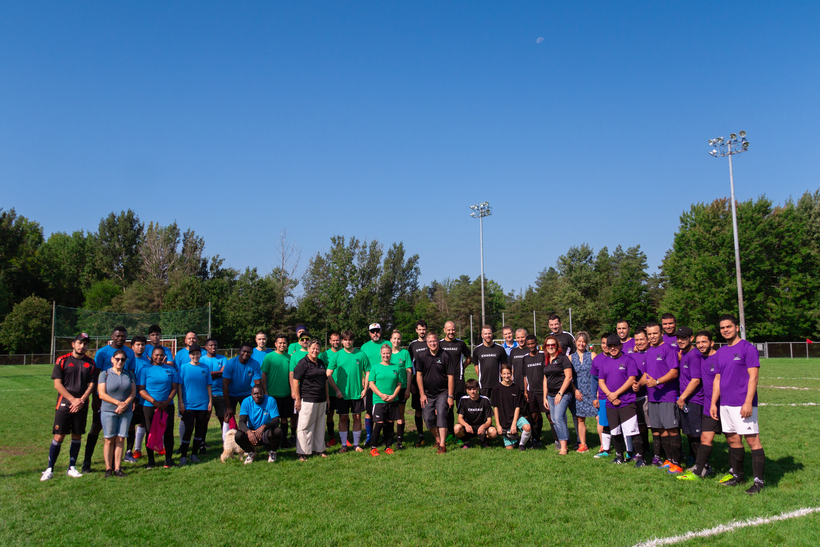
(230, 448)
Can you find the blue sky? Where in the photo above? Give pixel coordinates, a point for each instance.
(386, 120)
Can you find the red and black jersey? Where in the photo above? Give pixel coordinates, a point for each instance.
(75, 373)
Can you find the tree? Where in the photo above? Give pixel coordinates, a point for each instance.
(66, 267)
(101, 295)
(256, 303)
(20, 239)
(629, 293)
(27, 329)
(117, 247)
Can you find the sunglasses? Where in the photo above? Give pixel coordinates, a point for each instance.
(551, 345)
(304, 339)
(119, 359)
(376, 330)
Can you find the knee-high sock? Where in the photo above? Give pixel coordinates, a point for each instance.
(388, 435)
(90, 445)
(758, 463)
(343, 437)
(606, 439)
(451, 420)
(694, 443)
(538, 427)
(329, 425)
(130, 442)
(420, 426)
(620, 446)
(525, 436)
(357, 437)
(73, 452)
(138, 437)
(225, 429)
(183, 449)
(197, 445)
(628, 444)
(675, 447)
(637, 445)
(656, 443)
(704, 451)
(667, 449)
(181, 428)
(400, 434)
(368, 428)
(377, 428)
(53, 453)
(645, 439)
(736, 457)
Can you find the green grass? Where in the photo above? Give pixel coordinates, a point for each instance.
(470, 497)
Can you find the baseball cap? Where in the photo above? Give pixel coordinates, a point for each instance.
(195, 347)
(374, 326)
(684, 332)
(82, 336)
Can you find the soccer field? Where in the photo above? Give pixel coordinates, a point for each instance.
(465, 497)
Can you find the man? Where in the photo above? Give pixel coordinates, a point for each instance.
(487, 360)
(670, 327)
(661, 380)
(136, 431)
(182, 358)
(258, 425)
(566, 339)
(475, 415)
(155, 336)
(195, 402)
(102, 362)
(276, 377)
(460, 355)
(735, 389)
(416, 346)
(372, 350)
(534, 363)
(73, 376)
(516, 356)
(238, 378)
(622, 330)
(509, 342)
(301, 331)
(641, 404)
(328, 356)
(261, 349)
(435, 374)
(216, 363)
(690, 401)
(349, 370)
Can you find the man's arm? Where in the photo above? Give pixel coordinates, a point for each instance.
(690, 389)
(450, 388)
(751, 389)
(420, 382)
(715, 398)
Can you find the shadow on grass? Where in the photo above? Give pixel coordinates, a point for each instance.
(777, 469)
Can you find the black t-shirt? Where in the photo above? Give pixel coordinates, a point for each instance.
(75, 373)
(567, 342)
(489, 361)
(475, 412)
(414, 348)
(312, 379)
(506, 399)
(434, 371)
(534, 371)
(516, 360)
(458, 351)
(555, 374)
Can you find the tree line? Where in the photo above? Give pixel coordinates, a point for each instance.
(125, 266)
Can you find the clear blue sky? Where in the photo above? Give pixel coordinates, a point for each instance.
(386, 120)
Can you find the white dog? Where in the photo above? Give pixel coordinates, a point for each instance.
(230, 448)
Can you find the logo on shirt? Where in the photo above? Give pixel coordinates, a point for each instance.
(169, 373)
(736, 357)
(658, 358)
(621, 368)
(86, 365)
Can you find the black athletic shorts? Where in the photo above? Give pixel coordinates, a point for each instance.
(138, 418)
(219, 407)
(711, 425)
(368, 401)
(690, 422)
(349, 406)
(385, 412)
(415, 401)
(285, 406)
(536, 402)
(66, 422)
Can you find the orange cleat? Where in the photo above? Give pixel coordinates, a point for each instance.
(374, 452)
(389, 451)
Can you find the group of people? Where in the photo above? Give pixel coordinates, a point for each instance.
(662, 378)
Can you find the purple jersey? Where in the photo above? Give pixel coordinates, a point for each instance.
(640, 361)
(690, 365)
(659, 361)
(614, 372)
(733, 364)
(629, 346)
(596, 364)
(671, 340)
(708, 369)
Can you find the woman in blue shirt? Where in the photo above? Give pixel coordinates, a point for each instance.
(158, 385)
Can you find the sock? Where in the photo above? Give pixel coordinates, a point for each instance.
(420, 426)
(606, 444)
(539, 427)
(675, 447)
(183, 449)
(225, 429)
(667, 449)
(620, 445)
(181, 428)
(400, 432)
(694, 444)
(451, 421)
(637, 444)
(90, 445)
(130, 443)
(525, 436)
(736, 457)
(329, 425)
(704, 451)
(357, 437)
(377, 428)
(758, 462)
(388, 435)
(197, 445)
(575, 424)
(628, 444)
(53, 453)
(343, 437)
(140, 435)
(645, 439)
(656, 443)
(73, 452)
(368, 427)
(284, 426)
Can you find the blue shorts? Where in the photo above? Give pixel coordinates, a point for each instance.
(520, 426)
(115, 425)
(602, 419)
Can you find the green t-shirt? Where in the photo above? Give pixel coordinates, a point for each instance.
(386, 379)
(277, 366)
(294, 346)
(296, 357)
(348, 373)
(402, 362)
(373, 350)
(328, 356)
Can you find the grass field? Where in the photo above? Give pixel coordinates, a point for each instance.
(465, 497)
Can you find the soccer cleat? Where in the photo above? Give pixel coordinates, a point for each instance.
(450, 438)
(726, 478)
(601, 454)
(756, 487)
(332, 442)
(168, 464)
(420, 443)
(374, 452)
(731, 482)
(618, 460)
(149, 467)
(522, 447)
(465, 446)
(73, 473)
(137, 454)
(359, 449)
(203, 449)
(582, 449)
(86, 468)
(665, 464)
(656, 461)
(47, 474)
(183, 461)
(639, 462)
(343, 450)
(388, 451)
(707, 470)
(688, 476)
(674, 469)
(108, 473)
(271, 456)
(399, 446)
(119, 473)
(129, 458)
(194, 459)
(249, 457)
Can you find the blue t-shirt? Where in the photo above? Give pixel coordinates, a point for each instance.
(258, 415)
(139, 364)
(194, 381)
(215, 364)
(241, 376)
(102, 359)
(182, 358)
(259, 356)
(149, 351)
(158, 381)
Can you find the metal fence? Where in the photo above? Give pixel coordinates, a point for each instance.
(26, 359)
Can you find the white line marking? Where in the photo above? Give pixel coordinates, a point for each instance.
(732, 526)
(788, 404)
(792, 387)
(32, 389)
(786, 378)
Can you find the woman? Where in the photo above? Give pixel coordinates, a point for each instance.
(582, 363)
(158, 385)
(404, 366)
(385, 383)
(195, 403)
(557, 382)
(117, 389)
(310, 386)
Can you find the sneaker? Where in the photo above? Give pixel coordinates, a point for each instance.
(441, 449)
(665, 464)
(450, 438)
(756, 487)
(202, 450)
(618, 460)
(249, 457)
(149, 467)
(129, 458)
(108, 473)
(137, 454)
(535, 443)
(707, 470)
(343, 450)
(601, 454)
(86, 468)
(656, 461)
(47, 474)
(168, 464)
(194, 459)
(731, 482)
(639, 462)
(183, 461)
(73, 473)
(399, 446)
(689, 476)
(332, 442)
(583, 448)
(726, 478)
(359, 449)
(420, 443)
(522, 447)
(119, 473)
(389, 451)
(465, 446)
(374, 452)
(674, 469)
(271, 456)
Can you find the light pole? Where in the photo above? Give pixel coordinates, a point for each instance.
(480, 211)
(736, 144)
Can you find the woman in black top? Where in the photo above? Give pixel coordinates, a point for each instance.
(311, 384)
(557, 382)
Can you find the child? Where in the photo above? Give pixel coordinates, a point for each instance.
(475, 416)
(507, 399)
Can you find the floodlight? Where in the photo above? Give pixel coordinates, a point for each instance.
(741, 133)
(485, 203)
(746, 145)
(713, 153)
(732, 136)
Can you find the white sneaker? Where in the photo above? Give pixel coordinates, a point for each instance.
(47, 474)
(73, 473)
(249, 457)
(271, 456)
(194, 459)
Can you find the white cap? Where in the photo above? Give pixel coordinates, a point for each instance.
(374, 326)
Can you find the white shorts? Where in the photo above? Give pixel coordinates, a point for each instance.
(731, 421)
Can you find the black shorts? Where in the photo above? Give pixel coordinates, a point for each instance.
(415, 401)
(690, 422)
(385, 412)
(709, 424)
(536, 402)
(368, 401)
(641, 407)
(66, 422)
(285, 406)
(349, 406)
(219, 407)
(138, 418)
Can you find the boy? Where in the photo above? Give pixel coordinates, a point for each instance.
(507, 400)
(475, 416)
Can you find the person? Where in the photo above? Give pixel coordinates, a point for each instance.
(690, 401)
(475, 415)
(349, 372)
(600, 402)
(182, 358)
(311, 384)
(533, 364)
(641, 403)
(296, 355)
(735, 390)
(566, 339)
(296, 346)
(136, 432)
(216, 363)
(385, 383)
(258, 425)
(373, 351)
(557, 383)
(509, 342)
(401, 361)
(414, 348)
(487, 360)
(581, 360)
(238, 377)
(261, 349)
(276, 377)
(616, 376)
(435, 375)
(328, 356)
(155, 335)
(516, 356)
(661, 380)
(622, 330)
(508, 400)
(102, 361)
(73, 376)
(670, 326)
(117, 389)
(460, 355)
(158, 385)
(195, 402)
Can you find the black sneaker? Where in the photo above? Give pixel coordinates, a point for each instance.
(203, 449)
(639, 461)
(756, 488)
(109, 473)
(119, 473)
(619, 460)
(731, 482)
(522, 447)
(399, 446)
(86, 468)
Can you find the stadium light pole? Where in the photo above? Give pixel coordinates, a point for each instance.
(736, 144)
(480, 211)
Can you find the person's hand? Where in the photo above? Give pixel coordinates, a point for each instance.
(210, 407)
(407, 394)
(252, 437)
(423, 400)
(513, 429)
(121, 407)
(635, 387)
(181, 408)
(482, 429)
(527, 396)
(557, 398)
(616, 402)
(361, 396)
(450, 402)
(468, 428)
(578, 395)
(611, 396)
(713, 411)
(546, 402)
(651, 382)
(229, 412)
(746, 410)
(680, 403)
(297, 405)
(76, 404)
(338, 394)
(596, 403)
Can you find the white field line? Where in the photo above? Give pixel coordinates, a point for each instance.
(786, 378)
(792, 387)
(31, 389)
(730, 527)
(788, 404)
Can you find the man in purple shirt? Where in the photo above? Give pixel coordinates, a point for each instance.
(638, 355)
(670, 327)
(736, 388)
(616, 375)
(622, 329)
(690, 401)
(661, 380)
